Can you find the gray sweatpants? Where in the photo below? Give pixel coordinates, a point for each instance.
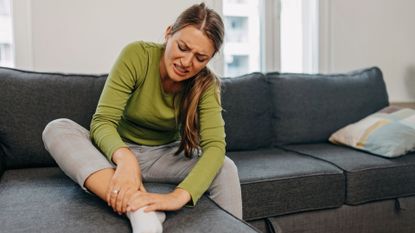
(70, 145)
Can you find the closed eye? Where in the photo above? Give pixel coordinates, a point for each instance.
(181, 47)
(200, 59)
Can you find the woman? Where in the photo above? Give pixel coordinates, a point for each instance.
(158, 120)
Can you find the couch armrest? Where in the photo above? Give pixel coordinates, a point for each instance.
(206, 216)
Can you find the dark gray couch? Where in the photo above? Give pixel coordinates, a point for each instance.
(277, 126)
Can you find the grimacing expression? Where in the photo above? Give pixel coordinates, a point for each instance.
(187, 52)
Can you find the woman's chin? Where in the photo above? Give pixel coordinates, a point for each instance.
(178, 77)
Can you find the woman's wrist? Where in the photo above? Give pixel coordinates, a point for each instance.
(182, 196)
(123, 155)
(126, 160)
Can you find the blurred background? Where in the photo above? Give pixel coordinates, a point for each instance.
(303, 36)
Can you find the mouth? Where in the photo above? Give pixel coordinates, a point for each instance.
(179, 70)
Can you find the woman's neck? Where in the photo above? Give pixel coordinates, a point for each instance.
(168, 85)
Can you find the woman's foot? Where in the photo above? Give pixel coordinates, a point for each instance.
(146, 222)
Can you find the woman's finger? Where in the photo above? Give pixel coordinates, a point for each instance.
(118, 202)
(126, 199)
(109, 193)
(113, 191)
(110, 187)
(131, 202)
(138, 200)
(108, 196)
(113, 197)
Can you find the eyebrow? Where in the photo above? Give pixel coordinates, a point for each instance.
(199, 54)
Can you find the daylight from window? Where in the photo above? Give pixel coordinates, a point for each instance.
(6, 45)
(291, 36)
(299, 36)
(298, 30)
(242, 37)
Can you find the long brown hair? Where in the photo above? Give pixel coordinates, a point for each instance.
(210, 23)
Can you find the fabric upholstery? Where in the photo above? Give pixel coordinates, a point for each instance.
(376, 217)
(2, 164)
(388, 134)
(45, 200)
(246, 113)
(308, 108)
(30, 100)
(276, 182)
(259, 224)
(2, 160)
(368, 177)
(259, 111)
(207, 217)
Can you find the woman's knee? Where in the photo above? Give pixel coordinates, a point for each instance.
(229, 167)
(59, 128)
(60, 125)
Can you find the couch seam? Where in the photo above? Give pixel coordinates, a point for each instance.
(360, 169)
(296, 212)
(291, 177)
(344, 173)
(312, 156)
(388, 198)
(347, 173)
(328, 208)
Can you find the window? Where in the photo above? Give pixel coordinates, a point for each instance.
(262, 35)
(242, 37)
(299, 36)
(6, 48)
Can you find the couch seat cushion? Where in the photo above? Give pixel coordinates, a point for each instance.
(368, 177)
(276, 182)
(45, 200)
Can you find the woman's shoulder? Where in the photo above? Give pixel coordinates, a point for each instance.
(138, 55)
(149, 45)
(143, 47)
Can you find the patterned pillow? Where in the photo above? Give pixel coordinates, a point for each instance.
(389, 133)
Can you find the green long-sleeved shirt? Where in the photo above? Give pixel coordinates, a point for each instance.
(134, 106)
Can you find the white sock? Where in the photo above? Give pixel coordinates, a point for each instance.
(150, 222)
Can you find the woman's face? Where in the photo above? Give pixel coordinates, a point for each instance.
(187, 52)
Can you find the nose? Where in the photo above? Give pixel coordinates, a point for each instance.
(186, 60)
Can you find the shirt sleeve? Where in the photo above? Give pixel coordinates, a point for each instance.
(212, 143)
(120, 83)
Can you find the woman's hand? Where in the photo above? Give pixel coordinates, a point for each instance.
(167, 202)
(126, 180)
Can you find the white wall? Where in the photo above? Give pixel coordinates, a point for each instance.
(372, 33)
(86, 36)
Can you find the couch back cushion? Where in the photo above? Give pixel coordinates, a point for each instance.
(247, 112)
(308, 108)
(30, 100)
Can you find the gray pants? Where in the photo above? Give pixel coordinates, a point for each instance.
(70, 145)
